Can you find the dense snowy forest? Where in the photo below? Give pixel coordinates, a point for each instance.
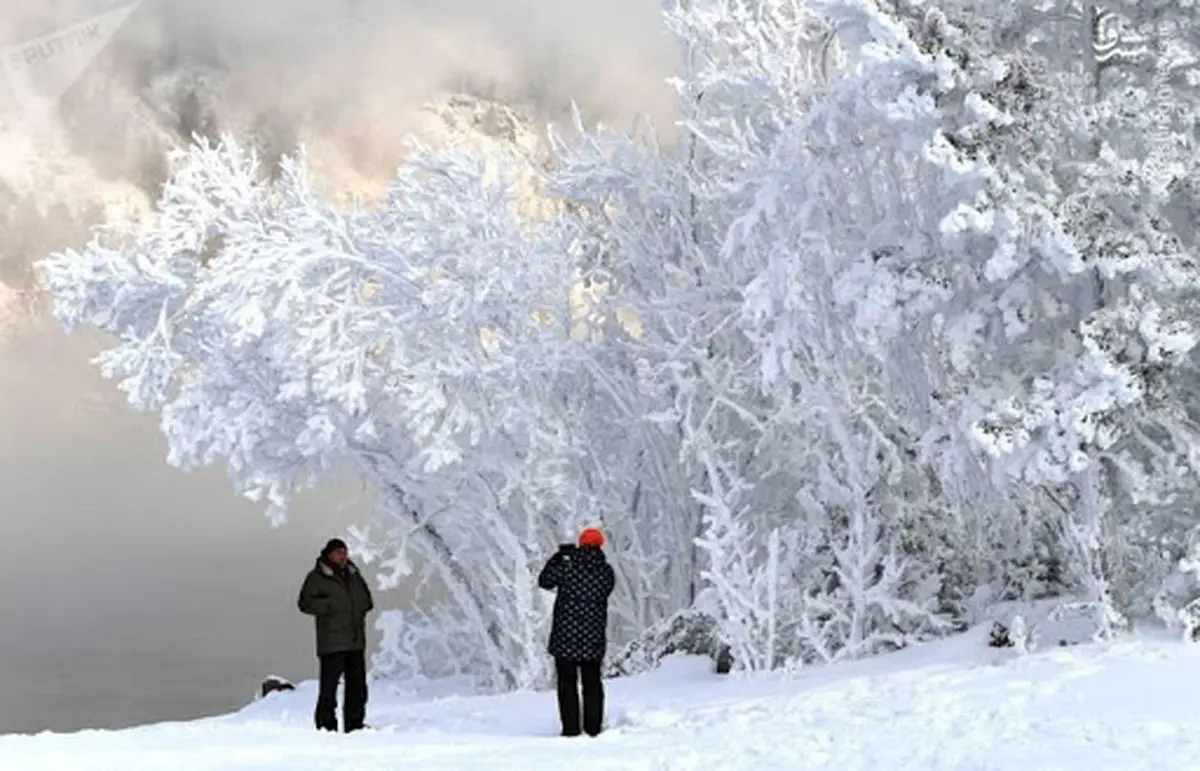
(899, 322)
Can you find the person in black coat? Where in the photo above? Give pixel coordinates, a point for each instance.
(336, 594)
(583, 580)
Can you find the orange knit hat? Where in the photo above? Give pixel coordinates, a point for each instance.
(591, 537)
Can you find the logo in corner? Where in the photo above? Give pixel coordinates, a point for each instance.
(39, 71)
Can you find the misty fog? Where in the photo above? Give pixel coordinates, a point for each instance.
(132, 591)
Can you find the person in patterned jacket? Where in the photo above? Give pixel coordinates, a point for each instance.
(583, 580)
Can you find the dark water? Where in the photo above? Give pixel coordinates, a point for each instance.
(170, 625)
(129, 591)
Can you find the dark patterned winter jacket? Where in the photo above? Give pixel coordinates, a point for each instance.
(584, 580)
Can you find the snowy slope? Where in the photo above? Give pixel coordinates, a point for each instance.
(950, 705)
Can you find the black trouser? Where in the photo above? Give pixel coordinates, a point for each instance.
(569, 673)
(352, 665)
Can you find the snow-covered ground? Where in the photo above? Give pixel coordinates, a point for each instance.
(949, 705)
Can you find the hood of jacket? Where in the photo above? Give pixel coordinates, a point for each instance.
(330, 571)
(589, 554)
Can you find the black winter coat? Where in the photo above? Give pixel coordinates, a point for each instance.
(584, 580)
(340, 600)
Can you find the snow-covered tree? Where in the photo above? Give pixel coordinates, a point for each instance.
(902, 321)
(413, 345)
(1093, 312)
(653, 219)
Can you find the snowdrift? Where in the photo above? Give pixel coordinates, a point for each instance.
(949, 705)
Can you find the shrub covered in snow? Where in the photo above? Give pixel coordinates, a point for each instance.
(687, 632)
